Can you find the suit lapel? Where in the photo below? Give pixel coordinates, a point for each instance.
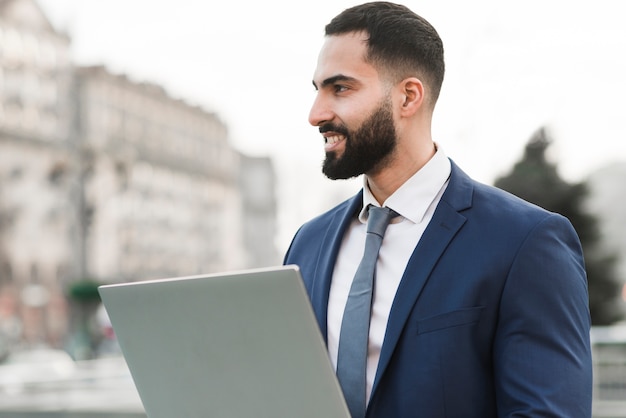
(442, 228)
(330, 245)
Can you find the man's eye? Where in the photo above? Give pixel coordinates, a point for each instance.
(340, 88)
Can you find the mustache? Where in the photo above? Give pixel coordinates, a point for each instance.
(329, 127)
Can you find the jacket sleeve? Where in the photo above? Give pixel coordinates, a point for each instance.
(542, 354)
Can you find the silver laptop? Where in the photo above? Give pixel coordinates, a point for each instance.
(241, 344)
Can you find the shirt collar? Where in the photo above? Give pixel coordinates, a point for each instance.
(414, 197)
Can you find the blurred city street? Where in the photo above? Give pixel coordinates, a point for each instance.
(59, 388)
(609, 360)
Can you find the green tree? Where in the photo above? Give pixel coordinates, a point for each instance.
(537, 180)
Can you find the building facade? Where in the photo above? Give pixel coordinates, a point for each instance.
(37, 215)
(107, 179)
(161, 183)
(258, 191)
(607, 201)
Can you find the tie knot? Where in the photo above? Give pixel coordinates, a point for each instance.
(378, 219)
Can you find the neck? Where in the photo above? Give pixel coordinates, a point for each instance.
(404, 164)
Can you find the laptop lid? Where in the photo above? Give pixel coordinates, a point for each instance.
(239, 344)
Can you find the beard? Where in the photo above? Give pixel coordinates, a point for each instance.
(367, 149)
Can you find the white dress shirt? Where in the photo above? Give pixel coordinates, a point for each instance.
(415, 201)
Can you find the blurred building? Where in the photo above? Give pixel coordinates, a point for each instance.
(161, 182)
(108, 179)
(37, 214)
(607, 201)
(258, 186)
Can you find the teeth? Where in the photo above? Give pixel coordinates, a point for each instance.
(334, 139)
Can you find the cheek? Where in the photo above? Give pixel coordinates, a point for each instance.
(358, 107)
(352, 117)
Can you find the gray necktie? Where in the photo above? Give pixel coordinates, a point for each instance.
(353, 339)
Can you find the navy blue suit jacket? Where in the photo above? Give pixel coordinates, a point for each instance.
(491, 316)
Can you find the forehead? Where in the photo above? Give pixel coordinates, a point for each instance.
(343, 55)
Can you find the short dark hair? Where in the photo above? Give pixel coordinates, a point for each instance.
(400, 42)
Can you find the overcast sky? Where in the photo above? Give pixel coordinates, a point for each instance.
(512, 67)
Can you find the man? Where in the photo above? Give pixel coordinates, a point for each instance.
(480, 305)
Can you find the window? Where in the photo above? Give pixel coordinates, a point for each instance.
(34, 274)
(6, 274)
(13, 48)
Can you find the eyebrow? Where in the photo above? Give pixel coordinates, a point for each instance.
(333, 80)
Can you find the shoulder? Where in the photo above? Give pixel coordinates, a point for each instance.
(493, 213)
(472, 197)
(332, 216)
(308, 241)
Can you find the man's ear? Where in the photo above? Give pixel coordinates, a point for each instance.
(412, 92)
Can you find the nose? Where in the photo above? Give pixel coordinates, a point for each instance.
(320, 112)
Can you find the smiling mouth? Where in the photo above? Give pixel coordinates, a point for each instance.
(332, 140)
